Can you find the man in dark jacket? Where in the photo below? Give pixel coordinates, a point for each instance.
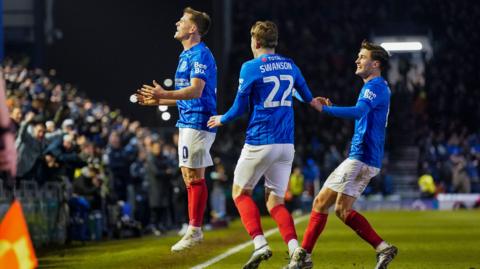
(158, 174)
(30, 145)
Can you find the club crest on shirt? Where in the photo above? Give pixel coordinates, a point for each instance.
(183, 66)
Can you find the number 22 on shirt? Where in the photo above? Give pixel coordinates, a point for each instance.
(275, 80)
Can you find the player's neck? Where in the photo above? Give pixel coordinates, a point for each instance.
(262, 51)
(191, 41)
(372, 76)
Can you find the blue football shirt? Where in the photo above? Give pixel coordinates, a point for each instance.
(197, 62)
(369, 136)
(265, 89)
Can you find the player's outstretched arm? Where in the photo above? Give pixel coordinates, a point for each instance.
(158, 92)
(194, 91)
(239, 107)
(165, 102)
(352, 112)
(149, 101)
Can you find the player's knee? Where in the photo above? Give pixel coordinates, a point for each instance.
(189, 179)
(274, 201)
(338, 212)
(320, 204)
(341, 212)
(237, 191)
(190, 176)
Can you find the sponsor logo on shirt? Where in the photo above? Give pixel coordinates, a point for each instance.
(182, 82)
(199, 68)
(369, 95)
(240, 82)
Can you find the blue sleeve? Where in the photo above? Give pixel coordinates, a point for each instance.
(238, 108)
(240, 105)
(301, 87)
(371, 94)
(297, 95)
(352, 112)
(199, 64)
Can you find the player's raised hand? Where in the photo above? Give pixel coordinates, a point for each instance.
(156, 91)
(214, 121)
(144, 100)
(30, 116)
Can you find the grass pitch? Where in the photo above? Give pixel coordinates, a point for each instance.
(431, 239)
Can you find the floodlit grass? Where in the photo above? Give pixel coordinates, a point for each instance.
(433, 239)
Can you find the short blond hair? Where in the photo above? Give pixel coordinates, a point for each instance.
(265, 33)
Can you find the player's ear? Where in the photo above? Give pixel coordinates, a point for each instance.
(257, 44)
(193, 28)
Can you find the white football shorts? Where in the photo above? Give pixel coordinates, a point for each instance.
(194, 148)
(274, 162)
(351, 177)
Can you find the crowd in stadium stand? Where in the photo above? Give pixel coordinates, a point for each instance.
(102, 159)
(446, 108)
(114, 169)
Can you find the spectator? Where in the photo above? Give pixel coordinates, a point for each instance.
(460, 177)
(311, 173)
(158, 174)
(88, 185)
(217, 197)
(118, 160)
(137, 172)
(30, 145)
(296, 187)
(66, 154)
(427, 186)
(16, 116)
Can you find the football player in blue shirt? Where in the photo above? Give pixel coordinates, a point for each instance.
(347, 182)
(195, 97)
(265, 90)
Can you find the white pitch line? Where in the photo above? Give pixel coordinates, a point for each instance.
(242, 246)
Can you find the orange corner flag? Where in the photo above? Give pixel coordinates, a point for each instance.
(16, 249)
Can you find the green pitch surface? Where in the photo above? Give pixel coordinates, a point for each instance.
(425, 240)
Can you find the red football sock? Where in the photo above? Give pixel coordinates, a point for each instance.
(315, 227)
(189, 202)
(198, 202)
(361, 226)
(249, 215)
(284, 222)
